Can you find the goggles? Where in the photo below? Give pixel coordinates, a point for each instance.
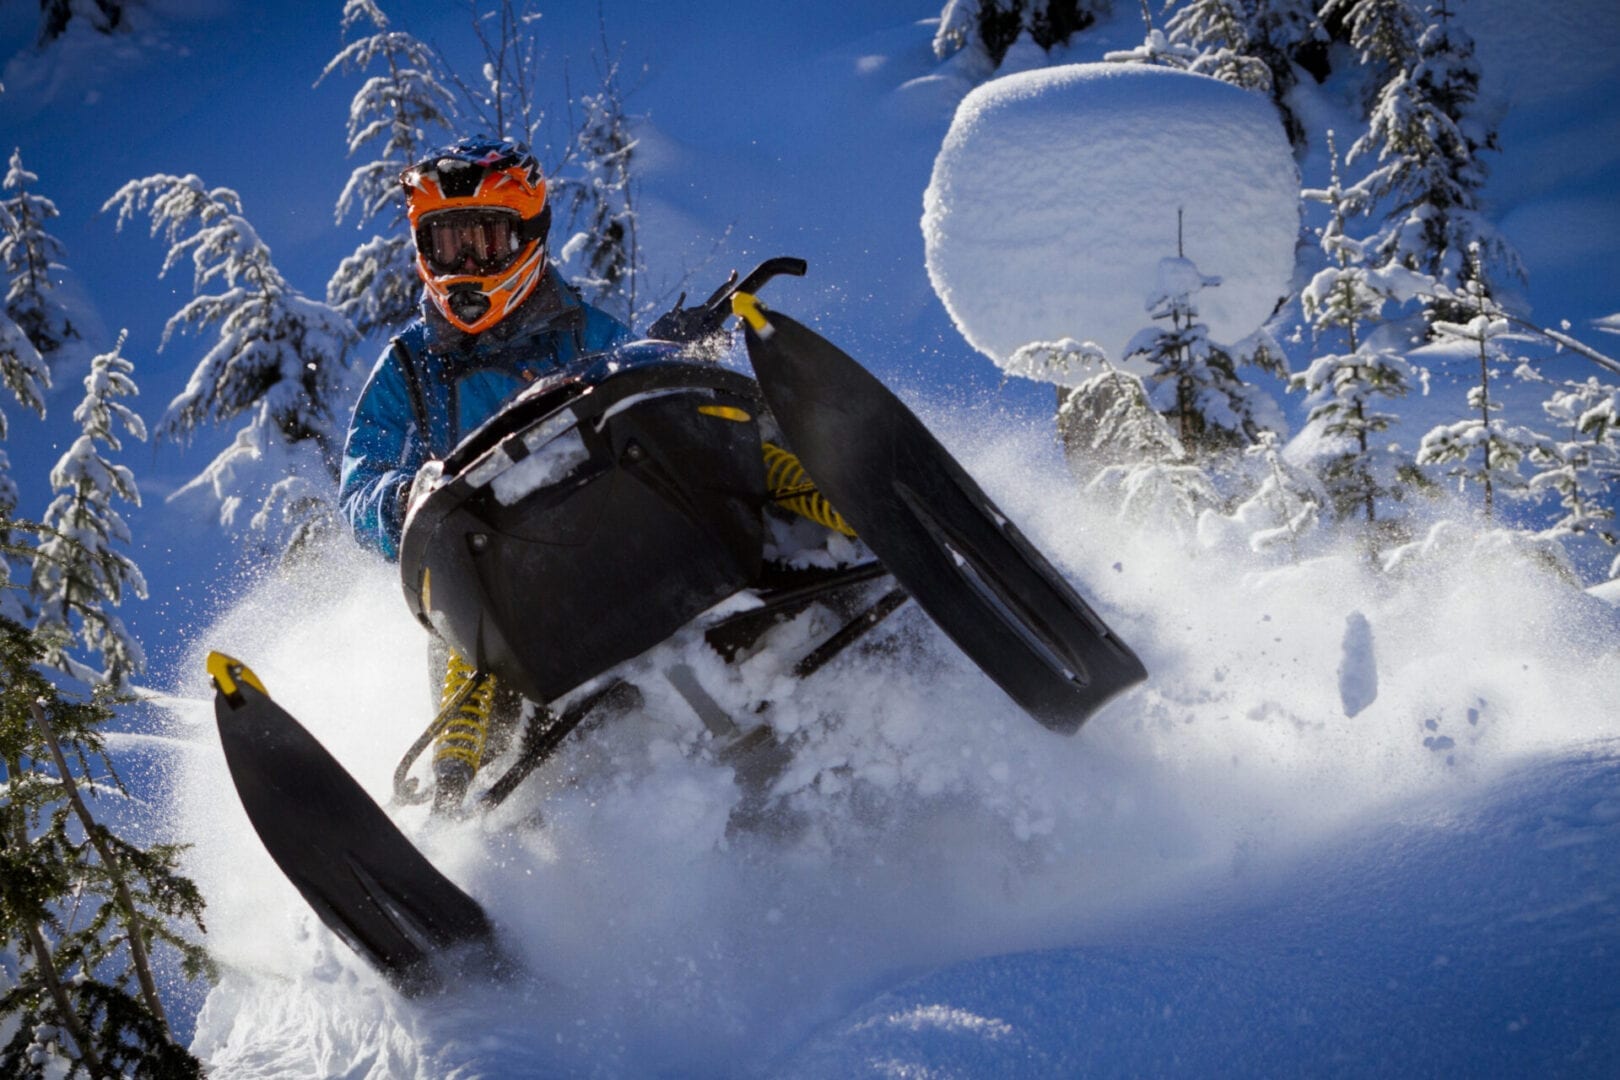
(474, 241)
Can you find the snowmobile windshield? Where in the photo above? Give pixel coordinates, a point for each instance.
(476, 241)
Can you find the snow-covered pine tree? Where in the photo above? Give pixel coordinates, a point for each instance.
(1115, 443)
(78, 570)
(603, 203)
(1286, 36)
(1106, 420)
(31, 256)
(1428, 138)
(1222, 31)
(82, 909)
(1253, 44)
(1483, 449)
(1145, 470)
(1057, 362)
(1384, 32)
(1581, 465)
(22, 369)
(278, 358)
(1192, 381)
(26, 375)
(1284, 508)
(405, 107)
(981, 31)
(1342, 388)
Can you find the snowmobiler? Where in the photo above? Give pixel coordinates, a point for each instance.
(625, 494)
(629, 489)
(496, 316)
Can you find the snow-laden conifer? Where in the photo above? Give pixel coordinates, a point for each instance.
(277, 357)
(1346, 301)
(1384, 32)
(1250, 43)
(1191, 380)
(8, 500)
(1284, 508)
(403, 109)
(32, 260)
(24, 372)
(1281, 35)
(1060, 362)
(1106, 420)
(1483, 449)
(1581, 463)
(1222, 32)
(1120, 448)
(79, 571)
(1164, 491)
(1427, 136)
(22, 369)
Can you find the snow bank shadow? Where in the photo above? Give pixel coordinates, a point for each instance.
(924, 821)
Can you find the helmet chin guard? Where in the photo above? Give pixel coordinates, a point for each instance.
(474, 303)
(479, 215)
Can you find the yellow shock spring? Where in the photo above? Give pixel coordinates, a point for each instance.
(790, 488)
(464, 733)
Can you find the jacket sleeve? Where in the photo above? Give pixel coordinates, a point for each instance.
(380, 458)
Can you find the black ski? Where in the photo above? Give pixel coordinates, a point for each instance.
(932, 527)
(351, 863)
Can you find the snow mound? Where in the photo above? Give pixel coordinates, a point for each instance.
(1056, 194)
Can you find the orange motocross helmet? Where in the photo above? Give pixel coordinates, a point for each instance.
(479, 214)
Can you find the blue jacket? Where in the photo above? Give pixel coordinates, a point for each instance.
(434, 384)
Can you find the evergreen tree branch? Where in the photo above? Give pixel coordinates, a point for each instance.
(44, 964)
(134, 920)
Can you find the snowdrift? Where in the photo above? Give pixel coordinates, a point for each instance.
(1058, 191)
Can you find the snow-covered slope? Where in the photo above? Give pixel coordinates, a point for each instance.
(960, 889)
(1423, 943)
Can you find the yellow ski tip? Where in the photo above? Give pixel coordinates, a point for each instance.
(226, 671)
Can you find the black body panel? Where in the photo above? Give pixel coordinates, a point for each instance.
(940, 536)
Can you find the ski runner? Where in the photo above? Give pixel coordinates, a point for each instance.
(495, 316)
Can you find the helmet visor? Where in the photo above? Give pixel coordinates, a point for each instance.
(476, 241)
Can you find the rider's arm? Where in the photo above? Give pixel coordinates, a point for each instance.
(380, 458)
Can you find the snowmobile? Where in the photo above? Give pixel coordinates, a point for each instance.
(610, 506)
